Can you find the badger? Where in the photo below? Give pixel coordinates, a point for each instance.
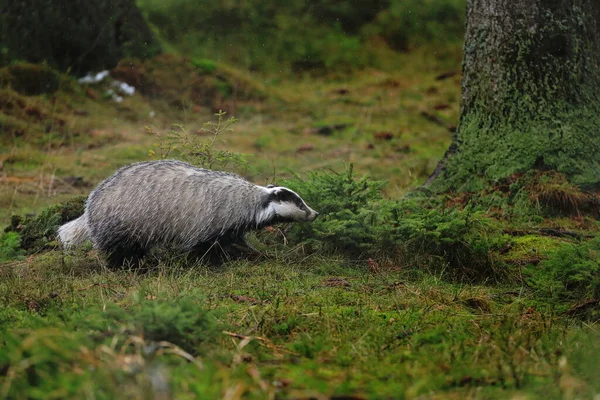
(175, 205)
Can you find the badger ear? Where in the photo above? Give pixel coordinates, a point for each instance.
(283, 194)
(270, 186)
(275, 192)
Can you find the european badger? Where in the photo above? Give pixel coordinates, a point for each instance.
(176, 205)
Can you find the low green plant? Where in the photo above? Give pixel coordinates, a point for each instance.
(70, 349)
(357, 222)
(10, 246)
(203, 153)
(569, 273)
(184, 321)
(346, 207)
(459, 243)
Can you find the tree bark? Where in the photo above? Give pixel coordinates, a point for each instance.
(530, 94)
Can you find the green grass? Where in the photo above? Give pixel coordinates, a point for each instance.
(317, 328)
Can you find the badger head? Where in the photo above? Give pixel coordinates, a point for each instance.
(285, 205)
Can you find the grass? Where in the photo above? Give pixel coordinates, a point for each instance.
(288, 325)
(298, 330)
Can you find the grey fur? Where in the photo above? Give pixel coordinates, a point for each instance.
(176, 205)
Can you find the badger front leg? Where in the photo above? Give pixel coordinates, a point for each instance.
(244, 249)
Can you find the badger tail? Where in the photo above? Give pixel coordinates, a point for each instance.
(74, 233)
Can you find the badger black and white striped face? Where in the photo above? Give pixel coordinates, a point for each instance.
(285, 205)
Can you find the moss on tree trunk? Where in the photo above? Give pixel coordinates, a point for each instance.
(530, 94)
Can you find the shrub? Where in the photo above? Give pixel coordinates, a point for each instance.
(356, 222)
(346, 208)
(184, 321)
(569, 273)
(462, 240)
(196, 150)
(10, 246)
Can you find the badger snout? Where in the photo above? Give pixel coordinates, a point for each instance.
(312, 215)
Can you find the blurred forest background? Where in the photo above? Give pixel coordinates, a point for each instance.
(272, 35)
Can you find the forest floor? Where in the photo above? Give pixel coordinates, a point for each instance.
(318, 326)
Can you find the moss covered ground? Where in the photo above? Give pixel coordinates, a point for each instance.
(305, 320)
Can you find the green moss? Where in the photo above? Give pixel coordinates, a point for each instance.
(527, 248)
(496, 148)
(38, 232)
(536, 107)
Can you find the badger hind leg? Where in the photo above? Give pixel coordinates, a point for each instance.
(121, 251)
(120, 246)
(123, 256)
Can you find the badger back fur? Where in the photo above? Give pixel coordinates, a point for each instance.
(176, 205)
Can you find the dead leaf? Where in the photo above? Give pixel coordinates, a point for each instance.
(243, 299)
(334, 282)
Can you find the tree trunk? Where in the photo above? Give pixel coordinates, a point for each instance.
(76, 35)
(530, 94)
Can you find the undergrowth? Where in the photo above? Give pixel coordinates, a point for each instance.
(358, 222)
(68, 345)
(298, 36)
(275, 330)
(571, 272)
(39, 232)
(10, 246)
(376, 307)
(197, 149)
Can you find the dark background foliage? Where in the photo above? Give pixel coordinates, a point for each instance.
(76, 35)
